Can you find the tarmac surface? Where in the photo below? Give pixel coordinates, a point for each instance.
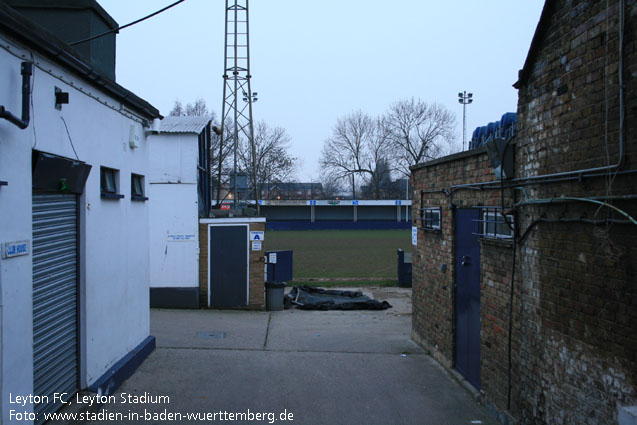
(293, 366)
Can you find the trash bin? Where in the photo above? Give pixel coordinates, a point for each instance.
(274, 293)
(404, 269)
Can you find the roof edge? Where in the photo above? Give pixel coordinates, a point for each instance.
(25, 31)
(69, 4)
(541, 28)
(449, 158)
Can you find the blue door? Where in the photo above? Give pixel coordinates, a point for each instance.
(468, 295)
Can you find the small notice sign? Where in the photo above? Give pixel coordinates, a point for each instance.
(15, 249)
(257, 235)
(257, 246)
(414, 235)
(272, 259)
(181, 238)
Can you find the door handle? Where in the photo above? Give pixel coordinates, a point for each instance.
(466, 260)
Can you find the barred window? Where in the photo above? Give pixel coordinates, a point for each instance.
(495, 226)
(430, 218)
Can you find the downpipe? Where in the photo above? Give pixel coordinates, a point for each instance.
(26, 71)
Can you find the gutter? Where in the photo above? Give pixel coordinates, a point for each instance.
(21, 29)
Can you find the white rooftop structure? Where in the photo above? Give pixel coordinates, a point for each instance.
(184, 124)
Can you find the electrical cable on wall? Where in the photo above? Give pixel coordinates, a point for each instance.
(127, 25)
(35, 136)
(70, 140)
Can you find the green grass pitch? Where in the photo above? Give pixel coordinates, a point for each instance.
(336, 255)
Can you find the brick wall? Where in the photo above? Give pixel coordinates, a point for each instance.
(433, 287)
(256, 263)
(574, 332)
(257, 272)
(578, 280)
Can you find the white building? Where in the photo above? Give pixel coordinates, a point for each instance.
(74, 272)
(179, 191)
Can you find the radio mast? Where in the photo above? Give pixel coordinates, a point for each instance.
(236, 86)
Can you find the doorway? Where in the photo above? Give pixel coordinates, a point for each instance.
(228, 266)
(467, 304)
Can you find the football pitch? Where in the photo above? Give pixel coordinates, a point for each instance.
(342, 256)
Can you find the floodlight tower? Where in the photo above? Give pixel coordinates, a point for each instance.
(464, 98)
(236, 86)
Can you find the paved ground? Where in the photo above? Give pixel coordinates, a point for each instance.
(308, 367)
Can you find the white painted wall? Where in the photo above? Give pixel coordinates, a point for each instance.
(173, 158)
(174, 210)
(114, 237)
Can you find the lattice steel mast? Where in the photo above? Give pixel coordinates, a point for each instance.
(236, 85)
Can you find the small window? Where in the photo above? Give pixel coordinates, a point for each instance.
(430, 218)
(137, 188)
(109, 183)
(494, 225)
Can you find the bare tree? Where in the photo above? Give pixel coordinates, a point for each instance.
(198, 108)
(330, 186)
(418, 131)
(272, 162)
(177, 110)
(358, 145)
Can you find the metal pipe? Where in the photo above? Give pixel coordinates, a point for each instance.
(570, 220)
(575, 199)
(495, 184)
(22, 123)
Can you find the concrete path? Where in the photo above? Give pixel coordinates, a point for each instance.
(306, 367)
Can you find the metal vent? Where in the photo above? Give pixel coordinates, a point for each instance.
(211, 335)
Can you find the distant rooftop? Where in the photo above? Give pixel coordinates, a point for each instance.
(184, 124)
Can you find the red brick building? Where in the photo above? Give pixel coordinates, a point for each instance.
(540, 314)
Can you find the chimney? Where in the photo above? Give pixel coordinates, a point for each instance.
(74, 20)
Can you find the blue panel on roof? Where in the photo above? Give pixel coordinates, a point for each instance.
(509, 118)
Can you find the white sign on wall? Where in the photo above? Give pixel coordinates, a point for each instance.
(414, 235)
(257, 235)
(181, 238)
(257, 246)
(15, 249)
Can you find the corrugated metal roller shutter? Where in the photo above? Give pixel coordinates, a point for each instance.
(55, 324)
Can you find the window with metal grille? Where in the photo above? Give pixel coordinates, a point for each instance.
(137, 188)
(494, 225)
(430, 218)
(109, 183)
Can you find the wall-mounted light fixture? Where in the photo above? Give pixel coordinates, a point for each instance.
(61, 98)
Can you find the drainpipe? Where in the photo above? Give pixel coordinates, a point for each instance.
(27, 71)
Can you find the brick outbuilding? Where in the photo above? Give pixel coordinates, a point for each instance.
(527, 285)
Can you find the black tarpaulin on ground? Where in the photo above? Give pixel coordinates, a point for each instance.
(309, 298)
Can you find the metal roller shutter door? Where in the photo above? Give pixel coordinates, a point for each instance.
(55, 298)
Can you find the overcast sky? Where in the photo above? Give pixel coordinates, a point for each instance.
(315, 61)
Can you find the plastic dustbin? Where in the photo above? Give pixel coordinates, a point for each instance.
(404, 269)
(274, 293)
